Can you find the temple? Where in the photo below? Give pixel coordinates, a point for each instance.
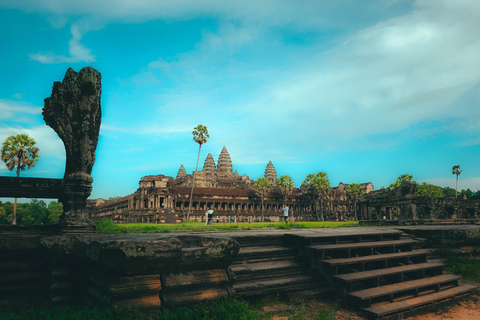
(161, 199)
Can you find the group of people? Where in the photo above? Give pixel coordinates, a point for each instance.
(209, 216)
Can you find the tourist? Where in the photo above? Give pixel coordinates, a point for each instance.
(285, 213)
(229, 219)
(209, 216)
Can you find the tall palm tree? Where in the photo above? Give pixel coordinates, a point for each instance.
(318, 186)
(456, 170)
(262, 188)
(19, 152)
(354, 191)
(285, 185)
(200, 135)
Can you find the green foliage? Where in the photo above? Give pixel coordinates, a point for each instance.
(404, 177)
(354, 191)
(114, 198)
(220, 309)
(317, 186)
(262, 187)
(463, 266)
(55, 210)
(34, 213)
(285, 184)
(456, 170)
(428, 190)
(19, 152)
(109, 227)
(325, 314)
(448, 192)
(200, 134)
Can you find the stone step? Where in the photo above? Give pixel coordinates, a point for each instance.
(364, 263)
(249, 271)
(435, 268)
(347, 250)
(264, 252)
(418, 302)
(308, 238)
(275, 285)
(251, 241)
(366, 296)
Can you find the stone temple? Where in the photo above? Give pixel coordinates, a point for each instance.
(161, 199)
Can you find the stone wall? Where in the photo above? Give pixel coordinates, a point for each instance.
(145, 271)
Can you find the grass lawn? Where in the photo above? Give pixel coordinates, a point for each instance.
(108, 226)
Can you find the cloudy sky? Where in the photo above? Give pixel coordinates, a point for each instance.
(363, 90)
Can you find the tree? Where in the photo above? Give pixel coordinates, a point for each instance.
(262, 188)
(19, 152)
(467, 193)
(318, 186)
(200, 135)
(429, 190)
(456, 170)
(448, 192)
(285, 184)
(55, 210)
(404, 177)
(354, 191)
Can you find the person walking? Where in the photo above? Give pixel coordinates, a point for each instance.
(209, 216)
(285, 213)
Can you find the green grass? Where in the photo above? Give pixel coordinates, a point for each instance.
(220, 309)
(463, 266)
(107, 226)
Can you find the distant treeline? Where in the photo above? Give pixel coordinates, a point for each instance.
(430, 190)
(34, 213)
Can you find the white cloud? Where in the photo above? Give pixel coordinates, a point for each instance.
(78, 52)
(380, 80)
(9, 109)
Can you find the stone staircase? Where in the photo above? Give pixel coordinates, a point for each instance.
(266, 265)
(381, 271)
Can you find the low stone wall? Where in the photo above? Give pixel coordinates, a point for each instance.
(446, 235)
(145, 271)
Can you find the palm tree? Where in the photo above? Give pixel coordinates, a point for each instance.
(457, 171)
(318, 186)
(285, 184)
(262, 188)
(200, 135)
(19, 152)
(354, 191)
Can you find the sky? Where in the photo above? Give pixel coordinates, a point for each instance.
(363, 90)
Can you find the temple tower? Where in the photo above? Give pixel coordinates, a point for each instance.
(182, 173)
(224, 165)
(209, 165)
(271, 174)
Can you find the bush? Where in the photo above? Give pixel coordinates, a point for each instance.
(108, 226)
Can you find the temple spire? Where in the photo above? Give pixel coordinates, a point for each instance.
(271, 173)
(182, 173)
(209, 165)
(224, 162)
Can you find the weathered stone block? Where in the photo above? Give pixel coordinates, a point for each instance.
(203, 277)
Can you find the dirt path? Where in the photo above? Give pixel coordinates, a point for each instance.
(466, 310)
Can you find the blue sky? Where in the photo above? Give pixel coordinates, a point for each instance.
(363, 90)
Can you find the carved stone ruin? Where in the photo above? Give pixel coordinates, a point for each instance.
(74, 112)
